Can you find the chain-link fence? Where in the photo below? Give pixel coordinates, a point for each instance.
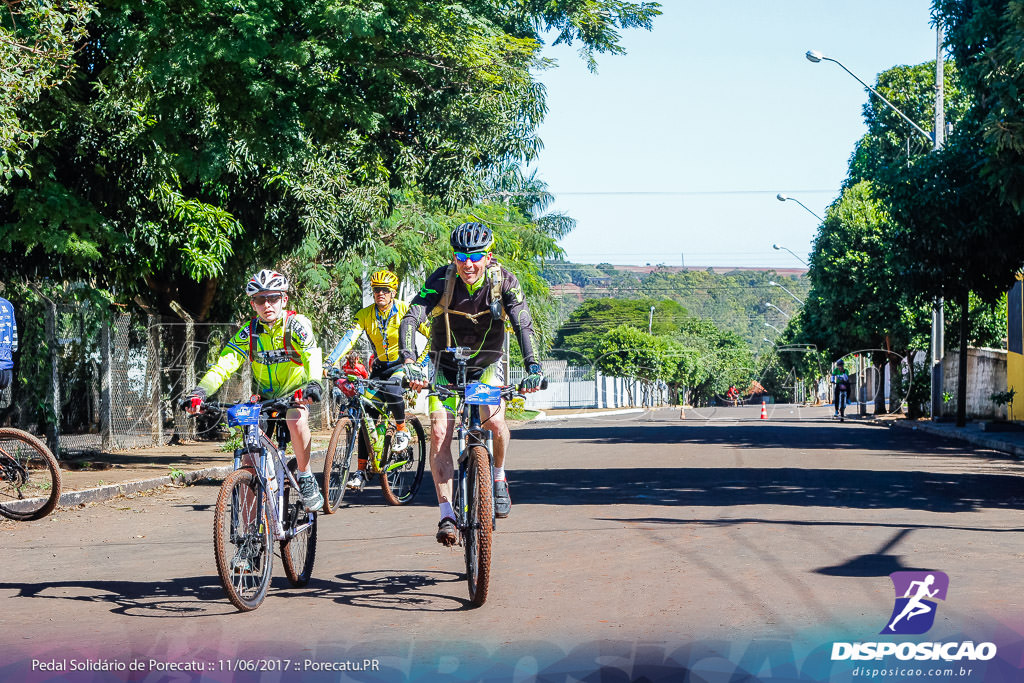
(114, 384)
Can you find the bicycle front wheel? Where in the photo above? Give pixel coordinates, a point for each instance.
(338, 463)
(479, 526)
(403, 472)
(29, 476)
(241, 536)
(299, 551)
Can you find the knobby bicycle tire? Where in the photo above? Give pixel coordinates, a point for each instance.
(242, 540)
(298, 552)
(29, 476)
(403, 472)
(479, 531)
(338, 463)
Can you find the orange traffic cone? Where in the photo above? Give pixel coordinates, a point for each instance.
(764, 410)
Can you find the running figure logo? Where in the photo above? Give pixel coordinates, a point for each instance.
(914, 611)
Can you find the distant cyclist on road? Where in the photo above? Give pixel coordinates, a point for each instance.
(380, 322)
(469, 301)
(285, 357)
(841, 384)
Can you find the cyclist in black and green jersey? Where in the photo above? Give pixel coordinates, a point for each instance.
(469, 301)
(285, 357)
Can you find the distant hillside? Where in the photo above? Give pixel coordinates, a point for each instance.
(739, 300)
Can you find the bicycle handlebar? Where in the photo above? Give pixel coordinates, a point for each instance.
(283, 403)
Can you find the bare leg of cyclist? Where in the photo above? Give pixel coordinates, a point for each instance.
(297, 420)
(442, 427)
(298, 426)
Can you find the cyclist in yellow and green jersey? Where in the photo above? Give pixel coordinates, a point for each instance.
(285, 357)
(380, 322)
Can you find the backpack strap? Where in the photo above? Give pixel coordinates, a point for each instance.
(289, 348)
(494, 275)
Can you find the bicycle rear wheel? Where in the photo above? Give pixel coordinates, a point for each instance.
(403, 472)
(299, 551)
(338, 463)
(29, 476)
(479, 528)
(242, 542)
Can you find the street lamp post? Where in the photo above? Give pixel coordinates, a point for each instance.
(773, 327)
(938, 315)
(795, 297)
(777, 247)
(650, 321)
(769, 303)
(786, 198)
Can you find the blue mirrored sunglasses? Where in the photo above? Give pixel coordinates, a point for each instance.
(462, 258)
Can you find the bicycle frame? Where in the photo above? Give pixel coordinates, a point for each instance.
(255, 440)
(356, 410)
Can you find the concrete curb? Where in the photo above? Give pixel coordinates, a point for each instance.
(110, 491)
(958, 435)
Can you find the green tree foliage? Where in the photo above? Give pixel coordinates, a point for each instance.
(890, 145)
(197, 142)
(581, 338)
(984, 37)
(37, 41)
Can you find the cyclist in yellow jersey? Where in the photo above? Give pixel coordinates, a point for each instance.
(380, 322)
(285, 357)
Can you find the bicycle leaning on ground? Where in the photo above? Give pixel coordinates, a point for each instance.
(259, 503)
(400, 473)
(29, 476)
(473, 500)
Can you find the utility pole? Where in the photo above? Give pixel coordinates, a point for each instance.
(938, 316)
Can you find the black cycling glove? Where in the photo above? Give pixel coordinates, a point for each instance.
(313, 392)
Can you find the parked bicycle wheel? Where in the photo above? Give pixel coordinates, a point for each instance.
(479, 527)
(299, 551)
(338, 463)
(241, 536)
(403, 472)
(29, 476)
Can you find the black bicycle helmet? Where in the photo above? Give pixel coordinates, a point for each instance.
(470, 238)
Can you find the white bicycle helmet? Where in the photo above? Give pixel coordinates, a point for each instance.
(266, 281)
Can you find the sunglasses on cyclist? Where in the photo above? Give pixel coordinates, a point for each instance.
(378, 290)
(268, 299)
(462, 258)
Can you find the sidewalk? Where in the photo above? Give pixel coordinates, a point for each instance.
(1011, 441)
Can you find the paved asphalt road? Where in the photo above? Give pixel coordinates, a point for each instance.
(638, 544)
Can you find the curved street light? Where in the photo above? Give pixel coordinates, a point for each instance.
(777, 247)
(785, 197)
(773, 327)
(795, 297)
(769, 303)
(815, 56)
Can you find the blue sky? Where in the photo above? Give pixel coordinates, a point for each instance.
(717, 109)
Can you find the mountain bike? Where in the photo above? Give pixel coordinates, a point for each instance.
(473, 484)
(401, 473)
(29, 476)
(259, 503)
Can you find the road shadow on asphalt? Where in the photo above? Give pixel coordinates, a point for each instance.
(184, 597)
(796, 435)
(796, 487)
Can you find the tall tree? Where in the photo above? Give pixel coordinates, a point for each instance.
(37, 41)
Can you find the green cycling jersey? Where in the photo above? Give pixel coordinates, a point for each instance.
(281, 363)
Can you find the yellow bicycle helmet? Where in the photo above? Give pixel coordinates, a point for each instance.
(384, 278)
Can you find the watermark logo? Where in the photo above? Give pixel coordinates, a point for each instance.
(915, 605)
